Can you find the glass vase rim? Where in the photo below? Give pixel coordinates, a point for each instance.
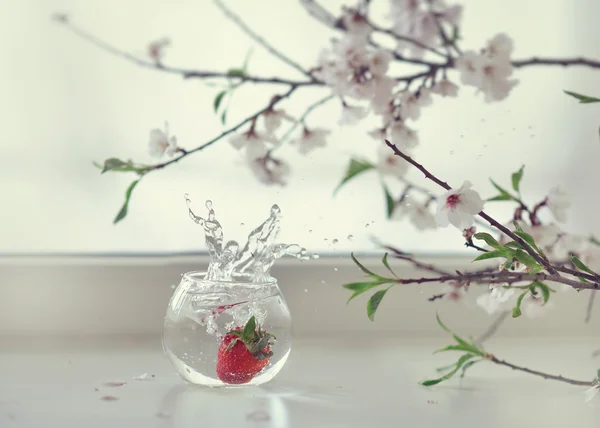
(238, 278)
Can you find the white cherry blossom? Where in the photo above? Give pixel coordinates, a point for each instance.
(272, 119)
(378, 134)
(380, 62)
(418, 214)
(499, 46)
(352, 114)
(253, 143)
(311, 139)
(445, 88)
(270, 170)
(533, 306)
(403, 136)
(160, 142)
(544, 235)
(494, 299)
(458, 207)
(591, 393)
(356, 25)
(411, 103)
(558, 203)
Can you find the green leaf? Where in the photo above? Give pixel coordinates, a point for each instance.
(389, 201)
(503, 193)
(355, 168)
(517, 226)
(374, 302)
(517, 309)
(121, 215)
(594, 240)
(467, 366)
(249, 329)
(441, 324)
(516, 179)
(583, 99)
(236, 72)
(458, 365)
(218, 99)
(513, 244)
(360, 287)
(453, 348)
(384, 260)
(492, 255)
(113, 163)
(489, 239)
(364, 269)
(500, 197)
(526, 259)
(247, 59)
(224, 116)
(581, 266)
(545, 290)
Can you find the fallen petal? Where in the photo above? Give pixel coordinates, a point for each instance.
(109, 398)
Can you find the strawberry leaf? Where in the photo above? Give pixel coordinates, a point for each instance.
(249, 330)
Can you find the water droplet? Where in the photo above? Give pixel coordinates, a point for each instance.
(315, 256)
(482, 120)
(529, 127)
(451, 152)
(173, 287)
(462, 136)
(367, 225)
(208, 204)
(485, 146)
(325, 239)
(532, 136)
(514, 129)
(306, 290)
(241, 224)
(350, 237)
(310, 231)
(335, 269)
(335, 241)
(322, 281)
(479, 156)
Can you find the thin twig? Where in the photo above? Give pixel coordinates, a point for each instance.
(559, 378)
(493, 328)
(260, 40)
(300, 120)
(185, 73)
(420, 265)
(407, 39)
(590, 306)
(249, 119)
(565, 62)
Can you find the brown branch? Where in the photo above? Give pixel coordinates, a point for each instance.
(407, 39)
(541, 260)
(260, 40)
(559, 378)
(249, 119)
(185, 73)
(565, 62)
(420, 265)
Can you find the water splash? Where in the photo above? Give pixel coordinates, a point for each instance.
(256, 257)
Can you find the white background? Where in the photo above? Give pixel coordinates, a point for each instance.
(65, 103)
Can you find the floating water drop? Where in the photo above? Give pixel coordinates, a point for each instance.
(335, 269)
(350, 237)
(335, 241)
(322, 281)
(451, 152)
(241, 224)
(325, 239)
(306, 290)
(315, 256)
(367, 225)
(310, 231)
(462, 136)
(485, 146)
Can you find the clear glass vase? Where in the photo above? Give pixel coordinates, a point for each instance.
(227, 333)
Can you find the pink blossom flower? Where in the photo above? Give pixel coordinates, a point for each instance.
(270, 171)
(352, 114)
(403, 136)
(272, 119)
(160, 142)
(411, 103)
(311, 139)
(445, 88)
(390, 164)
(418, 214)
(458, 207)
(252, 141)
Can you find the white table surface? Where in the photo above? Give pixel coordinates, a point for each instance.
(341, 382)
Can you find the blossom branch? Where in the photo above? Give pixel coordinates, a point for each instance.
(260, 40)
(541, 260)
(249, 119)
(185, 73)
(565, 62)
(559, 378)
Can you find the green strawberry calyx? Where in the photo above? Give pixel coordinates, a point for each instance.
(257, 340)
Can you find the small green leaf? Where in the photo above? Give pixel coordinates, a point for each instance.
(503, 193)
(516, 179)
(526, 259)
(389, 201)
(374, 302)
(247, 59)
(249, 329)
(123, 212)
(517, 226)
(364, 269)
(236, 72)
(581, 266)
(384, 260)
(517, 309)
(489, 239)
(583, 99)
(224, 116)
(467, 366)
(360, 287)
(594, 240)
(513, 244)
(452, 348)
(458, 365)
(545, 290)
(492, 255)
(441, 324)
(113, 163)
(355, 168)
(218, 99)
(500, 197)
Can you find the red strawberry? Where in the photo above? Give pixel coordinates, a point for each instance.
(243, 353)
